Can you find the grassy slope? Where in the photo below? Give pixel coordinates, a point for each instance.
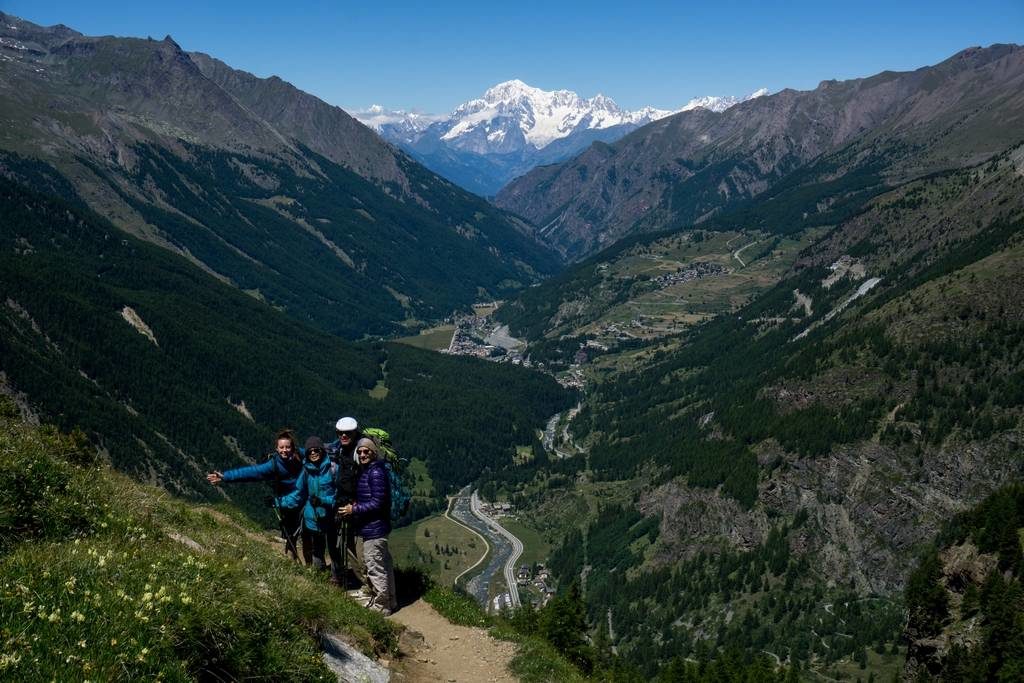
(412, 547)
(616, 286)
(104, 579)
(434, 339)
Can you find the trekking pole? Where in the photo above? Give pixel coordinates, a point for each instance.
(342, 543)
(289, 540)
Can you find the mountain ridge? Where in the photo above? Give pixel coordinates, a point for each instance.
(693, 166)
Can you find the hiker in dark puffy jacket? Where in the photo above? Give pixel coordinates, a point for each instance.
(343, 452)
(315, 491)
(371, 514)
(282, 471)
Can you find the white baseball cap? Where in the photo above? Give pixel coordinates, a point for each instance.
(347, 424)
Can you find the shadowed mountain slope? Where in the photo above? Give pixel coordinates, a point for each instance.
(266, 187)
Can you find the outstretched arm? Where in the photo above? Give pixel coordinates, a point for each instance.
(260, 472)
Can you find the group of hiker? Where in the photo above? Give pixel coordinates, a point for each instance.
(327, 495)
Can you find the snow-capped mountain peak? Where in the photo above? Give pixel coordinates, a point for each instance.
(720, 104)
(541, 116)
(513, 127)
(377, 117)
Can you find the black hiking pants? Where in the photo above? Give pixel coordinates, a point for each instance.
(326, 539)
(292, 529)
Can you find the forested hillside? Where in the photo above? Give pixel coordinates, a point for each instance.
(763, 480)
(172, 373)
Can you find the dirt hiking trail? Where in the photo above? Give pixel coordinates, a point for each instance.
(432, 649)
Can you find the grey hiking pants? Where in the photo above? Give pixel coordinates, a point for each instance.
(380, 572)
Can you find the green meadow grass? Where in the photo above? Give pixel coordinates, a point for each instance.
(434, 339)
(411, 546)
(105, 579)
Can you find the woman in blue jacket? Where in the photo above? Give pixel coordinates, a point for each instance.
(282, 471)
(316, 491)
(372, 515)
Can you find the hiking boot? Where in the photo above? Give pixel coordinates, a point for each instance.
(335, 580)
(384, 611)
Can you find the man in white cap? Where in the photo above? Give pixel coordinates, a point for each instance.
(342, 451)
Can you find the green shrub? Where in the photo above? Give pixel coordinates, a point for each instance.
(45, 491)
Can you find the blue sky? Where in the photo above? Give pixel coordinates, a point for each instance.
(432, 56)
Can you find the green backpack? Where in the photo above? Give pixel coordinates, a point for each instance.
(396, 467)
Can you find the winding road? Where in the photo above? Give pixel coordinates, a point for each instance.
(517, 549)
(487, 546)
(503, 548)
(736, 254)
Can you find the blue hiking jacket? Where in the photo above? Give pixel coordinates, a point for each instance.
(316, 491)
(282, 473)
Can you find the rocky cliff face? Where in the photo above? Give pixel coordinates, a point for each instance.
(963, 568)
(965, 599)
(869, 507)
(689, 167)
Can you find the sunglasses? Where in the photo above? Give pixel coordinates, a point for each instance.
(360, 451)
(316, 450)
(346, 433)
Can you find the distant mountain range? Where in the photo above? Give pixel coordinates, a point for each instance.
(265, 186)
(824, 149)
(513, 128)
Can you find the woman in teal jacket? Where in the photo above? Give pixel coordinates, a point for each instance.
(316, 491)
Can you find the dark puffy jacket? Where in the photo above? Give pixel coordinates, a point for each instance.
(372, 508)
(348, 470)
(282, 473)
(315, 491)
